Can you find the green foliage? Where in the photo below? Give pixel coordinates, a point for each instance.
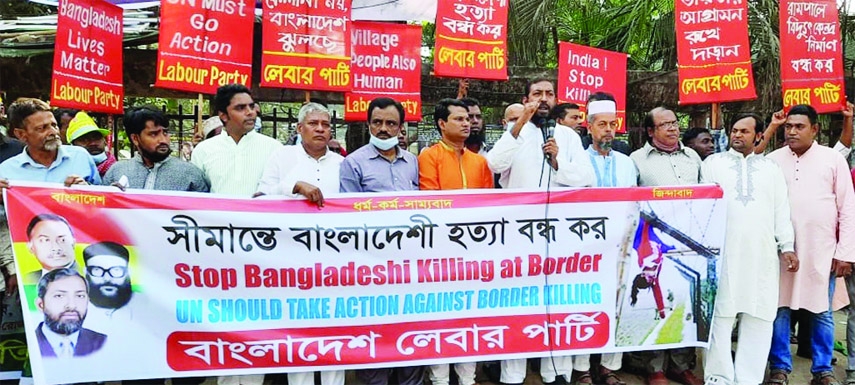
(10, 9)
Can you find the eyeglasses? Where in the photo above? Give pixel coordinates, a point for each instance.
(671, 124)
(115, 271)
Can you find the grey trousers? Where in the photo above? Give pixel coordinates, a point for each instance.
(678, 360)
(850, 323)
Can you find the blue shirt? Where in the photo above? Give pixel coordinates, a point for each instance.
(365, 170)
(69, 160)
(615, 170)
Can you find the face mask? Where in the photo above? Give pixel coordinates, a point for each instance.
(257, 124)
(509, 126)
(384, 144)
(100, 158)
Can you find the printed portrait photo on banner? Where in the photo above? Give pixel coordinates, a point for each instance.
(50, 240)
(63, 298)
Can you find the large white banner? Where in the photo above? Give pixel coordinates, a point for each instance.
(196, 285)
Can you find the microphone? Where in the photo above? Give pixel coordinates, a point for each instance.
(548, 131)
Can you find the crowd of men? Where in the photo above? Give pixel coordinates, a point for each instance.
(790, 213)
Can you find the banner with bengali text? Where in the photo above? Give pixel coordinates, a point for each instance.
(583, 70)
(204, 45)
(210, 286)
(306, 45)
(13, 345)
(471, 39)
(713, 53)
(385, 61)
(811, 55)
(87, 59)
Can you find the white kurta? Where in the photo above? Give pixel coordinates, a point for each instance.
(520, 160)
(758, 226)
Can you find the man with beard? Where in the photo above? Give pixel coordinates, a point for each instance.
(700, 140)
(611, 169)
(83, 132)
(63, 297)
(109, 278)
(152, 168)
(475, 142)
(534, 159)
(528, 157)
(44, 159)
(569, 115)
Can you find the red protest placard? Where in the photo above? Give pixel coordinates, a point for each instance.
(204, 45)
(584, 70)
(385, 61)
(87, 61)
(471, 39)
(306, 45)
(811, 55)
(713, 55)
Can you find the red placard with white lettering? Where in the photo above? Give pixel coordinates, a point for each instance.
(306, 45)
(385, 62)
(713, 54)
(204, 45)
(584, 70)
(471, 39)
(87, 60)
(811, 55)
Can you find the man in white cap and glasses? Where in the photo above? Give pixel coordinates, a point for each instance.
(611, 169)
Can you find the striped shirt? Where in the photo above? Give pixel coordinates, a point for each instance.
(234, 168)
(657, 168)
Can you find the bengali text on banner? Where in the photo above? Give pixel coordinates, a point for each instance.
(204, 45)
(713, 53)
(385, 61)
(471, 39)
(584, 70)
(306, 45)
(238, 286)
(87, 60)
(811, 55)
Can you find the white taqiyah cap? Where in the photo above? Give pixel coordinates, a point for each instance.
(211, 124)
(600, 106)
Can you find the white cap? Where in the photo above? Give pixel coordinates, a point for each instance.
(600, 106)
(211, 124)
